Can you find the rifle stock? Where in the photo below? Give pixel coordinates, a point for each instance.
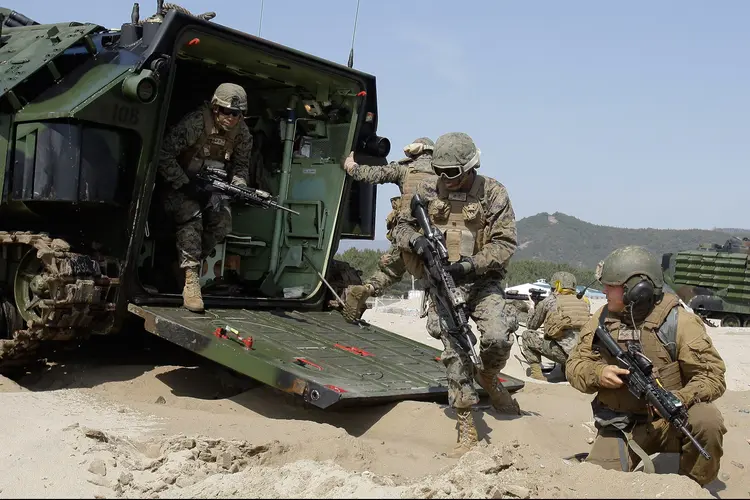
(443, 291)
(642, 384)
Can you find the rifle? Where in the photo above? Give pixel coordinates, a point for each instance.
(443, 291)
(214, 179)
(644, 385)
(536, 295)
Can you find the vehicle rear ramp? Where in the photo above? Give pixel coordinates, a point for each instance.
(316, 355)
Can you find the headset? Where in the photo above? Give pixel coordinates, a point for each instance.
(639, 289)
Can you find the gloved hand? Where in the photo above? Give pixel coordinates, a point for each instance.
(461, 268)
(349, 163)
(421, 245)
(238, 181)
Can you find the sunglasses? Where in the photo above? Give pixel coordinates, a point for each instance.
(448, 172)
(228, 111)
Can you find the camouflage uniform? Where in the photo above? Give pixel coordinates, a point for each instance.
(686, 361)
(194, 141)
(406, 173)
(475, 214)
(560, 336)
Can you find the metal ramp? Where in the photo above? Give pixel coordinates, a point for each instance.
(316, 355)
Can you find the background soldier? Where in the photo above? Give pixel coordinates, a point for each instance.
(641, 316)
(213, 135)
(407, 174)
(476, 216)
(563, 315)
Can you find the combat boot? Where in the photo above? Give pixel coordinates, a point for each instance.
(355, 300)
(191, 294)
(467, 433)
(500, 398)
(535, 372)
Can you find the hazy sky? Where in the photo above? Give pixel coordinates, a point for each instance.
(631, 114)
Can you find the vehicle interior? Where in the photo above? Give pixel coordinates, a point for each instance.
(268, 253)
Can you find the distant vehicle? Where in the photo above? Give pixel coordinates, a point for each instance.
(713, 280)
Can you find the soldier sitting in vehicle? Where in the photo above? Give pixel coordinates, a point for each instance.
(563, 314)
(212, 135)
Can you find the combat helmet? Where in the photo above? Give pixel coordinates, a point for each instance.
(454, 155)
(419, 146)
(230, 95)
(563, 280)
(629, 266)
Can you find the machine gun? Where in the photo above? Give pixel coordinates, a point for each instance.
(644, 385)
(213, 179)
(446, 296)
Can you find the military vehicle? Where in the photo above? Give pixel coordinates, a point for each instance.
(713, 280)
(85, 242)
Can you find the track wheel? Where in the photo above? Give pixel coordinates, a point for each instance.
(29, 287)
(730, 321)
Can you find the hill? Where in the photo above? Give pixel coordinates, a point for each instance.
(562, 238)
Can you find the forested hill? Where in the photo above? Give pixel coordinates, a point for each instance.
(565, 239)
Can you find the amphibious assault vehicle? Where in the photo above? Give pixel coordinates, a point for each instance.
(86, 244)
(714, 280)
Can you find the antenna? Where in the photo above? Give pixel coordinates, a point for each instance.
(260, 22)
(351, 51)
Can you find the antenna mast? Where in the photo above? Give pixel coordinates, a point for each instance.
(351, 51)
(260, 22)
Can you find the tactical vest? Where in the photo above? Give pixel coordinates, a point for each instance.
(667, 369)
(461, 217)
(213, 144)
(419, 170)
(570, 313)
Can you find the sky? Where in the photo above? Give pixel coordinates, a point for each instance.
(627, 114)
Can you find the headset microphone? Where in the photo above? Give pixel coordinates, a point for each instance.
(580, 294)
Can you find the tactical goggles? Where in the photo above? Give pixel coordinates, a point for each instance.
(455, 171)
(229, 111)
(448, 172)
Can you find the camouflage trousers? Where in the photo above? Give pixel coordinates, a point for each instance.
(496, 321)
(610, 450)
(198, 231)
(534, 345)
(391, 269)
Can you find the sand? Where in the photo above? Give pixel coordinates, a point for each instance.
(150, 420)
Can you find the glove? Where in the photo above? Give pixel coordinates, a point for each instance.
(349, 163)
(421, 245)
(238, 181)
(461, 268)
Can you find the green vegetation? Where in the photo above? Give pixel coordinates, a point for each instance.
(558, 242)
(564, 239)
(519, 271)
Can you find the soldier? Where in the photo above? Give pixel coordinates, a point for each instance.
(563, 315)
(641, 316)
(213, 135)
(407, 174)
(475, 214)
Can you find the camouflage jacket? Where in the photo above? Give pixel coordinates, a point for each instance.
(540, 312)
(701, 368)
(185, 134)
(500, 227)
(395, 172)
